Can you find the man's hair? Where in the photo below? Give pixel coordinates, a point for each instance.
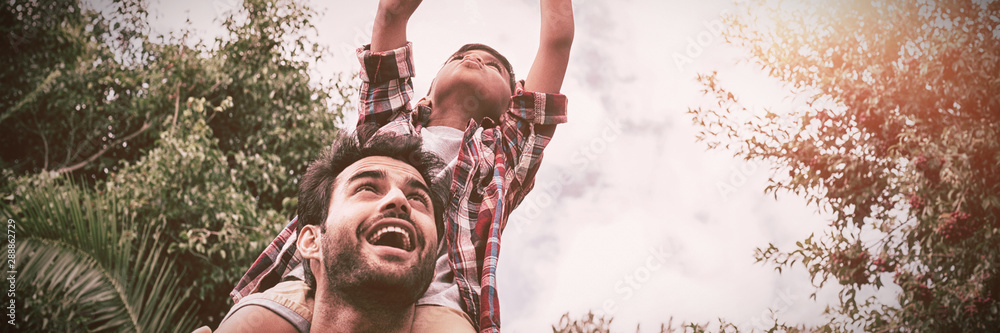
(494, 53)
(317, 185)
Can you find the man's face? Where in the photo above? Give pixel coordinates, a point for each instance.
(479, 78)
(380, 236)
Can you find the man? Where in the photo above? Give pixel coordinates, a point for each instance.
(369, 223)
(490, 131)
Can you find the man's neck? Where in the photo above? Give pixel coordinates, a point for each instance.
(337, 315)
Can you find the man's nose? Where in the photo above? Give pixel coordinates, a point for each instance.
(395, 201)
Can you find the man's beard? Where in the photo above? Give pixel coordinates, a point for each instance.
(363, 283)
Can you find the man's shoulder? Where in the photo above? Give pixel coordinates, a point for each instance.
(255, 318)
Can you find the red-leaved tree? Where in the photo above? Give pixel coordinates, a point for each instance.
(898, 136)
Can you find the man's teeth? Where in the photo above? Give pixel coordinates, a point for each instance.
(403, 240)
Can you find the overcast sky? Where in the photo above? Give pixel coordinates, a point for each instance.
(630, 216)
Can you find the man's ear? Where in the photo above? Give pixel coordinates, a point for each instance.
(308, 242)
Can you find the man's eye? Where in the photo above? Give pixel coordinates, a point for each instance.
(365, 187)
(494, 65)
(420, 198)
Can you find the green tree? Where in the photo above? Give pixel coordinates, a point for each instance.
(186, 191)
(87, 269)
(199, 142)
(899, 139)
(77, 94)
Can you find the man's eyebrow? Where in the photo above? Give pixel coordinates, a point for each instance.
(376, 174)
(413, 182)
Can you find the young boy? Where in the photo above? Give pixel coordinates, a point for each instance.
(491, 131)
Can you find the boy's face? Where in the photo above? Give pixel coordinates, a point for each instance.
(479, 79)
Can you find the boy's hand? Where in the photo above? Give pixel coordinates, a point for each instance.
(398, 9)
(389, 31)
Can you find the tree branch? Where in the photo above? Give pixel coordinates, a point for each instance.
(72, 154)
(42, 88)
(177, 90)
(177, 104)
(45, 145)
(74, 167)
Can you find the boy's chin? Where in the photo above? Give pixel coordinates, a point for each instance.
(470, 84)
(476, 107)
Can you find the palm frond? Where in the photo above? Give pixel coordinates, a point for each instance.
(90, 267)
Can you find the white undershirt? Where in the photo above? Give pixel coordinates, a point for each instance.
(445, 143)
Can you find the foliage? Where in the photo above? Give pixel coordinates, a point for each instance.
(200, 141)
(75, 89)
(278, 119)
(185, 190)
(86, 266)
(899, 138)
(588, 323)
(602, 324)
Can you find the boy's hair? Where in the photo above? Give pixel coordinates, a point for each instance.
(495, 54)
(316, 187)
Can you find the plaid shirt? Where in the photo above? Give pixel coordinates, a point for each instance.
(496, 168)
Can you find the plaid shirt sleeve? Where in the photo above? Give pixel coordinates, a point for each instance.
(533, 121)
(538, 108)
(386, 90)
(267, 270)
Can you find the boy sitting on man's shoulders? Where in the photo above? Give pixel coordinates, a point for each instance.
(488, 128)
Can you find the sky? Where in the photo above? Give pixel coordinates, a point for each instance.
(630, 217)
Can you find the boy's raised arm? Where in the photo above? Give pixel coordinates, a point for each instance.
(387, 66)
(549, 68)
(389, 31)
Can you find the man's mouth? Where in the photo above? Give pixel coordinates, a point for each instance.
(393, 236)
